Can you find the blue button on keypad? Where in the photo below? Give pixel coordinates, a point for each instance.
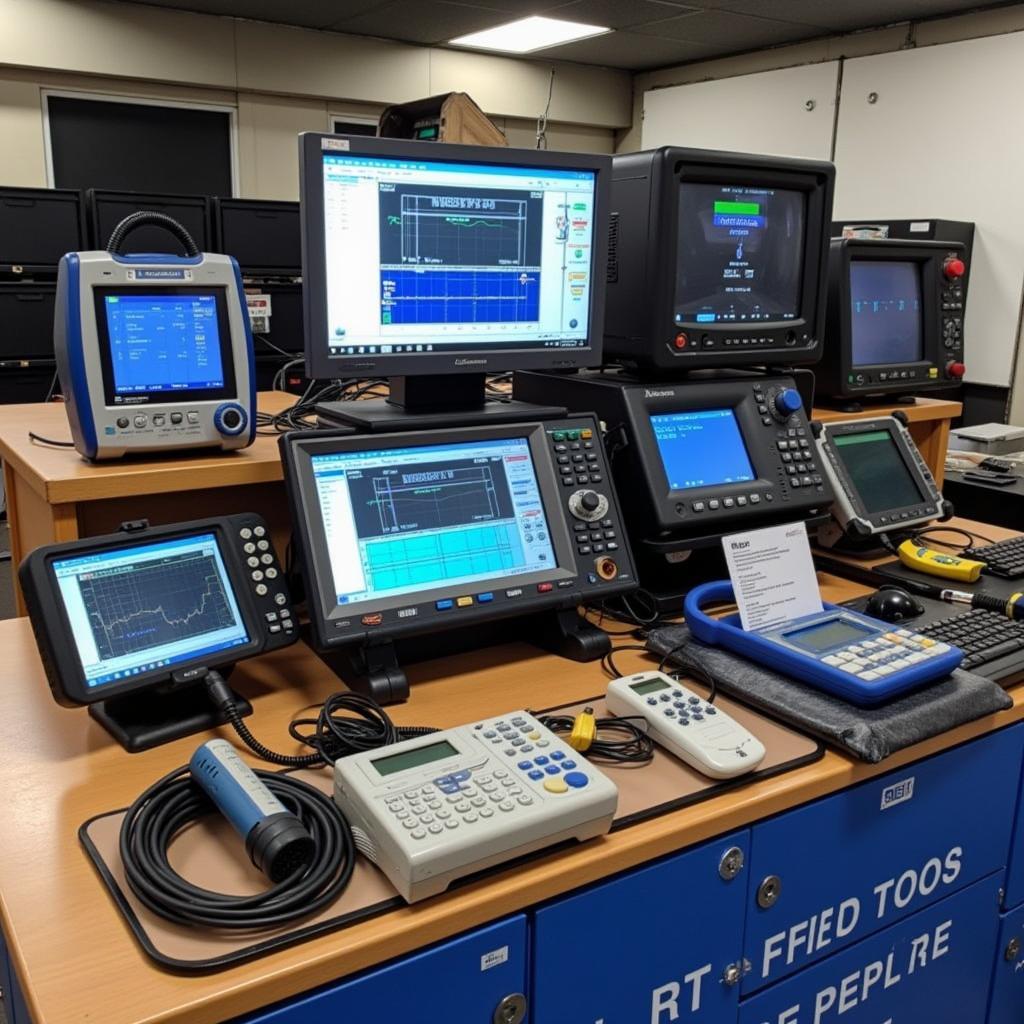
(536, 775)
(552, 769)
(576, 779)
(542, 760)
(485, 598)
(568, 765)
(444, 605)
(525, 765)
(557, 755)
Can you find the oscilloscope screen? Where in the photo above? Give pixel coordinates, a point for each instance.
(148, 607)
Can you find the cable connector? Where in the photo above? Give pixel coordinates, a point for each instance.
(221, 695)
(584, 730)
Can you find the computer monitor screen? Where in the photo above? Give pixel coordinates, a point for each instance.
(143, 607)
(404, 520)
(878, 471)
(885, 312)
(702, 448)
(172, 344)
(741, 254)
(434, 255)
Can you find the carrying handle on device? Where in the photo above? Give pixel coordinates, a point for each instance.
(143, 217)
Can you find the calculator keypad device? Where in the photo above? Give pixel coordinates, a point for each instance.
(438, 807)
(874, 659)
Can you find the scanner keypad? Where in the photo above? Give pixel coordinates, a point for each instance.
(874, 659)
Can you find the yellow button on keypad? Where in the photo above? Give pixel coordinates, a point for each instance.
(555, 786)
(463, 602)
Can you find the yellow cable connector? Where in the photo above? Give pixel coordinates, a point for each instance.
(584, 729)
(914, 556)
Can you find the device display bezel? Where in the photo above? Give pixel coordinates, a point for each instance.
(183, 396)
(474, 359)
(333, 623)
(68, 678)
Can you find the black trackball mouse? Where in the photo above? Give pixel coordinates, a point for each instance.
(892, 604)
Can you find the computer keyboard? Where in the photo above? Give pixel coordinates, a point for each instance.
(1004, 558)
(993, 646)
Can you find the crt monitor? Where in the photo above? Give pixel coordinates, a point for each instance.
(262, 235)
(716, 259)
(896, 315)
(106, 209)
(428, 260)
(37, 226)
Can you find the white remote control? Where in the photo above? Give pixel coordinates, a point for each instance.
(703, 736)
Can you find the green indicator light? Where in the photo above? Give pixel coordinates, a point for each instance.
(579, 206)
(724, 206)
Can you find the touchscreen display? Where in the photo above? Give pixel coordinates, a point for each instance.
(702, 448)
(402, 520)
(876, 468)
(146, 607)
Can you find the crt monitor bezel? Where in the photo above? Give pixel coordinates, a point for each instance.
(925, 253)
(255, 209)
(325, 614)
(748, 170)
(320, 364)
(929, 502)
(735, 395)
(182, 396)
(53, 628)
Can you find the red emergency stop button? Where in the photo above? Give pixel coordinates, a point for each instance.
(956, 370)
(681, 340)
(954, 267)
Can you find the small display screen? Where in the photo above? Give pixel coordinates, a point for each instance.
(702, 449)
(878, 471)
(740, 255)
(651, 686)
(825, 635)
(402, 520)
(414, 758)
(885, 312)
(148, 607)
(171, 344)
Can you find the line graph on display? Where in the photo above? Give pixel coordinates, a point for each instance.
(436, 499)
(491, 238)
(149, 605)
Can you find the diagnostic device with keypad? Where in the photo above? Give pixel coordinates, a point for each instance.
(686, 724)
(843, 652)
(127, 622)
(154, 352)
(881, 482)
(403, 534)
(433, 809)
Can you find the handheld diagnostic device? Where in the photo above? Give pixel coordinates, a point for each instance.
(880, 481)
(717, 259)
(860, 659)
(154, 351)
(406, 534)
(130, 623)
(430, 810)
(686, 725)
(895, 317)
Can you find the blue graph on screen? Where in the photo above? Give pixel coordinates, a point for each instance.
(459, 296)
(453, 554)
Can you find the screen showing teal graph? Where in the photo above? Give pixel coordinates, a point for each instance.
(410, 519)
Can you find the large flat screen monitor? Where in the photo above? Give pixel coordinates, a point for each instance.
(427, 259)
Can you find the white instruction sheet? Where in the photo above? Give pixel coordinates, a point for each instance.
(772, 575)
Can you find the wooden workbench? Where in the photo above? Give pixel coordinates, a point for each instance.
(54, 495)
(73, 954)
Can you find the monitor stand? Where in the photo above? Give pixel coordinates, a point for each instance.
(376, 669)
(431, 400)
(140, 721)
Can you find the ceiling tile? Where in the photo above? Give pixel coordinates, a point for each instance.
(307, 14)
(725, 32)
(422, 21)
(619, 13)
(844, 17)
(627, 50)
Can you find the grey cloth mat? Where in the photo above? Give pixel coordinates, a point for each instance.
(871, 734)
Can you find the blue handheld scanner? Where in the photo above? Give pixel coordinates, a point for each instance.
(275, 839)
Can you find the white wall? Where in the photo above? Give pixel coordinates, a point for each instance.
(762, 113)
(281, 81)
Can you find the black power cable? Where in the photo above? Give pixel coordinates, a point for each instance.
(617, 740)
(174, 802)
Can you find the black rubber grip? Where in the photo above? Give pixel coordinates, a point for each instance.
(143, 217)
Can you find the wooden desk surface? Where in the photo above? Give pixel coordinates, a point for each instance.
(923, 409)
(74, 955)
(61, 475)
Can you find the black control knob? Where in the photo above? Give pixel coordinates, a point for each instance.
(588, 505)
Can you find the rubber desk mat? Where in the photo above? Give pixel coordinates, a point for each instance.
(210, 854)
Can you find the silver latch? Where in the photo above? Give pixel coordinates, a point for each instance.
(1012, 949)
(731, 863)
(511, 1010)
(768, 892)
(734, 973)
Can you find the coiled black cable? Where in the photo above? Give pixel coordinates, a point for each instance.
(333, 736)
(153, 218)
(174, 802)
(617, 741)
